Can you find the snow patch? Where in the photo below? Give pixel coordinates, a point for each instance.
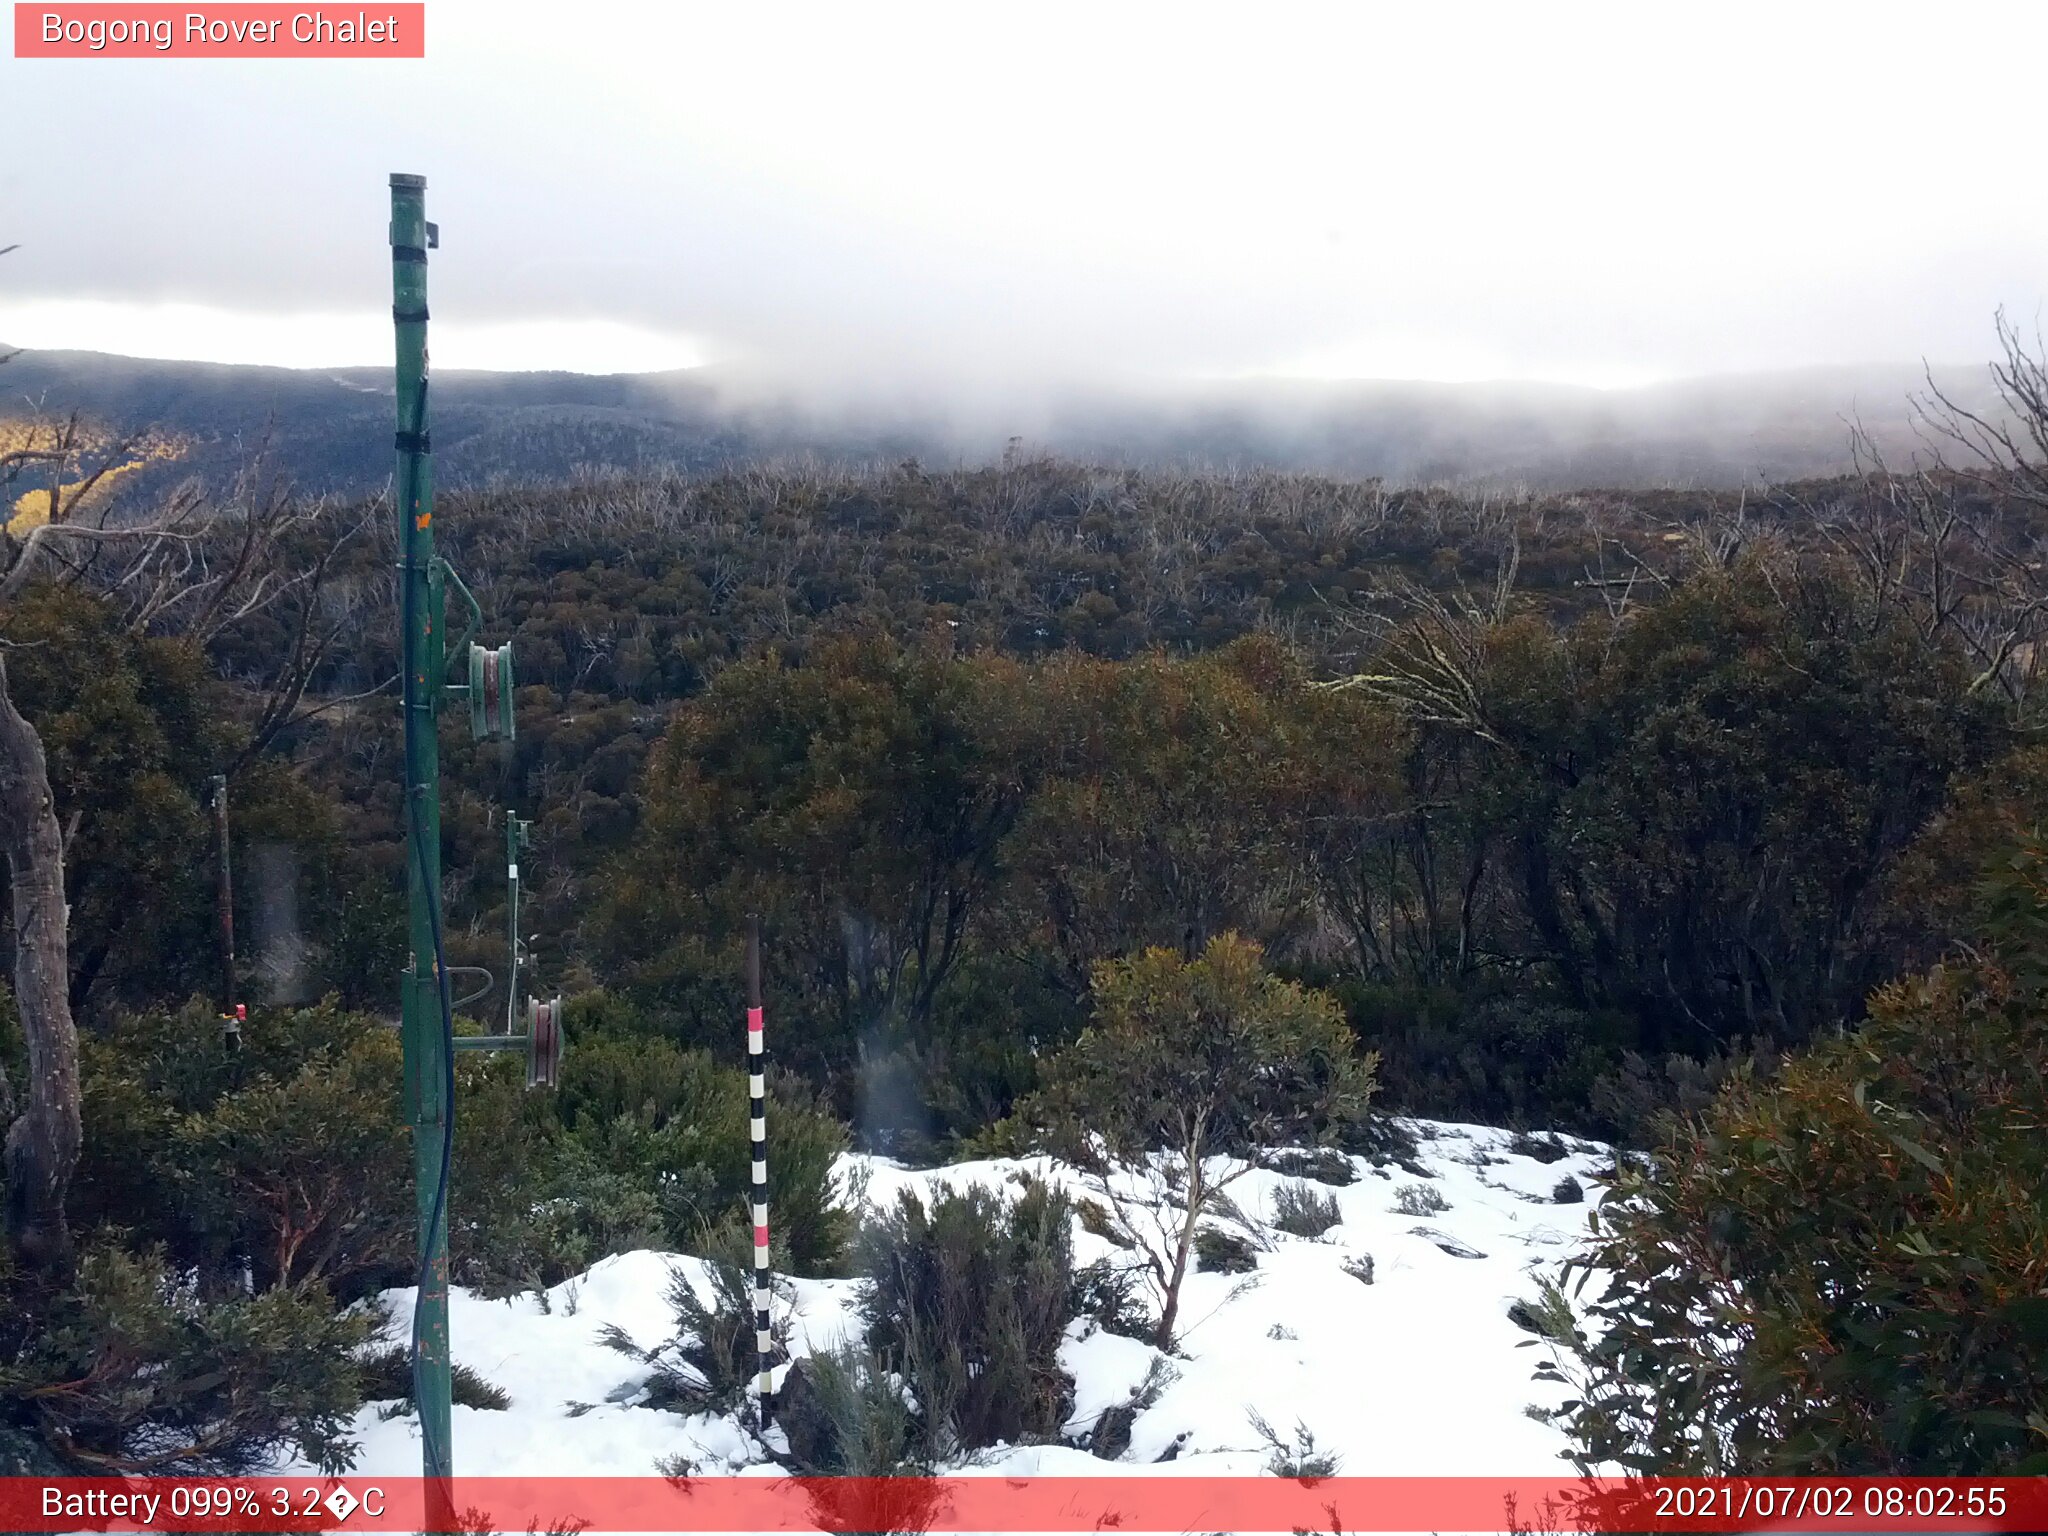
(1415, 1374)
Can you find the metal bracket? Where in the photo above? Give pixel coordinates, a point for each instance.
(476, 617)
(484, 971)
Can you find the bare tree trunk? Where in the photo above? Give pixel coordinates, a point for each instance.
(1196, 1152)
(43, 1141)
(1184, 1243)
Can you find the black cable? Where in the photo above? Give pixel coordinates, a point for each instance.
(414, 818)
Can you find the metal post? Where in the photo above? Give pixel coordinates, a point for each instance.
(757, 1091)
(513, 827)
(226, 900)
(428, 1054)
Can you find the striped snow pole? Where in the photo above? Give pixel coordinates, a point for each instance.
(757, 1089)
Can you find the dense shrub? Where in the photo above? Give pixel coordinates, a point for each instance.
(1107, 1293)
(1177, 798)
(1294, 1455)
(851, 1429)
(386, 1376)
(1664, 835)
(713, 1359)
(125, 1368)
(646, 1145)
(1607, 865)
(307, 1172)
(855, 802)
(600, 1190)
(1224, 1253)
(290, 1156)
(967, 1299)
(1325, 1165)
(128, 734)
(1419, 1200)
(980, 1051)
(1544, 1149)
(1634, 1102)
(1845, 1270)
(1302, 1210)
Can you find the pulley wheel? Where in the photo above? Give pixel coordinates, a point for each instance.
(490, 693)
(543, 1042)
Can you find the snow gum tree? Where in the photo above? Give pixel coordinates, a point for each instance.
(1187, 1068)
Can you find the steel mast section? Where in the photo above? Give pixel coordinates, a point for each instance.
(427, 1011)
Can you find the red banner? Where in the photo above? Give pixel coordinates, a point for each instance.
(236, 31)
(1124, 1504)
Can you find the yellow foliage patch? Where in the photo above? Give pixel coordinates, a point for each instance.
(33, 507)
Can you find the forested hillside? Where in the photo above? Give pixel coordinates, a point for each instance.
(1662, 764)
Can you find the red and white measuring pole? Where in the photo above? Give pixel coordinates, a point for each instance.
(757, 1091)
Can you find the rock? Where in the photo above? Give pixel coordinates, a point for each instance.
(1324, 1165)
(1224, 1253)
(1449, 1244)
(1112, 1434)
(1544, 1149)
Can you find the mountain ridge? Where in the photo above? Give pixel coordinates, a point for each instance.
(328, 428)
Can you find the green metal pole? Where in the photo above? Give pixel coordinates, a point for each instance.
(512, 829)
(225, 908)
(426, 1042)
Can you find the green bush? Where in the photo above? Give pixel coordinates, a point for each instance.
(1107, 1292)
(125, 1368)
(1634, 1103)
(289, 1156)
(1302, 1210)
(647, 1109)
(387, 1377)
(850, 1428)
(650, 1080)
(309, 1171)
(1544, 1149)
(713, 1360)
(998, 1018)
(644, 1145)
(1296, 1455)
(1224, 1253)
(1845, 1270)
(967, 1299)
(593, 1193)
(1419, 1200)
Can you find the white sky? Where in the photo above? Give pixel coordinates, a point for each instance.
(977, 195)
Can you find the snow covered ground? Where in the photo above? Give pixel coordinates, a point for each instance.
(1414, 1374)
